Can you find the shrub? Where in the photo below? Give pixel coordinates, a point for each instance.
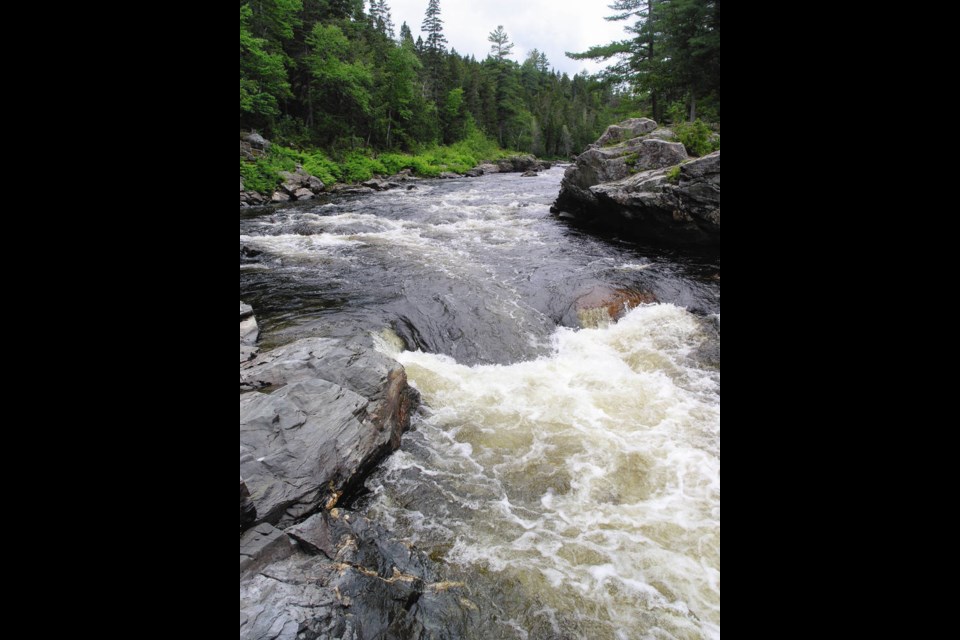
(697, 137)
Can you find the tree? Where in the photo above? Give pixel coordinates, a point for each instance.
(381, 19)
(263, 78)
(501, 46)
(343, 85)
(406, 35)
(674, 54)
(433, 27)
(433, 50)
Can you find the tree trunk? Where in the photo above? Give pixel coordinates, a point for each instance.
(693, 106)
(653, 94)
(389, 124)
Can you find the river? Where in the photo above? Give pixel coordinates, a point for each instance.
(564, 468)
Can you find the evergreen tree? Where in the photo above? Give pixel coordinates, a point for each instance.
(434, 50)
(405, 34)
(433, 27)
(501, 46)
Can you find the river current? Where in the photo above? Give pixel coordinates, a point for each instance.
(564, 468)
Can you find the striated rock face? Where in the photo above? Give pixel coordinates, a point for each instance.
(336, 411)
(338, 575)
(248, 512)
(632, 187)
(308, 569)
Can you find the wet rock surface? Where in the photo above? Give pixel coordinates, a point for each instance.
(310, 570)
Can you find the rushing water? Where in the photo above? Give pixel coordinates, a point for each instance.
(569, 477)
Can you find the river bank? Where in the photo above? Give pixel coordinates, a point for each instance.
(270, 174)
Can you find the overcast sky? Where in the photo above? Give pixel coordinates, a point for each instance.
(552, 26)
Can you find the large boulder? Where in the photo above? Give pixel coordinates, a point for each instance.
(257, 141)
(632, 128)
(644, 187)
(335, 410)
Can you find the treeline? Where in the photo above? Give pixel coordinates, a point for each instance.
(339, 74)
(672, 60)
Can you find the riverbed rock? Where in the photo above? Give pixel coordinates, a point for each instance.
(600, 305)
(249, 331)
(337, 410)
(530, 174)
(644, 187)
(449, 175)
(248, 512)
(361, 583)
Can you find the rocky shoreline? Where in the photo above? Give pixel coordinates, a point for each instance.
(300, 185)
(635, 180)
(316, 416)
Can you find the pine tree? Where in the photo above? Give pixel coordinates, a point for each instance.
(433, 27)
(406, 35)
(501, 46)
(433, 50)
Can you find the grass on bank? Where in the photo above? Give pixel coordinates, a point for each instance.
(263, 175)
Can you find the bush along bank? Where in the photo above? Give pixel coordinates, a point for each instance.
(273, 173)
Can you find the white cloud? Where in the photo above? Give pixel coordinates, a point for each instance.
(552, 26)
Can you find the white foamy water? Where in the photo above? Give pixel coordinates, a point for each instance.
(586, 482)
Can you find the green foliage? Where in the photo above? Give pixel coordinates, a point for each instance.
(674, 54)
(697, 137)
(359, 165)
(673, 175)
(326, 74)
(676, 112)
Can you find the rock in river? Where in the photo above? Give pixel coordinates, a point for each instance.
(339, 409)
(645, 187)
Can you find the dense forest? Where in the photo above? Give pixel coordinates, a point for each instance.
(340, 75)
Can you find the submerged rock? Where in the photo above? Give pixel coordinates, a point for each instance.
(602, 305)
(645, 187)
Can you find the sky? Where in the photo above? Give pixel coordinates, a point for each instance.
(552, 26)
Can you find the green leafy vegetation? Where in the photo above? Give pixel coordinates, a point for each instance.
(674, 55)
(673, 175)
(263, 174)
(697, 137)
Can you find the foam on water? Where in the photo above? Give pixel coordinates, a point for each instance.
(591, 477)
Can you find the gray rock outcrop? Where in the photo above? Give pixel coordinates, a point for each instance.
(338, 575)
(626, 130)
(645, 187)
(308, 568)
(335, 411)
